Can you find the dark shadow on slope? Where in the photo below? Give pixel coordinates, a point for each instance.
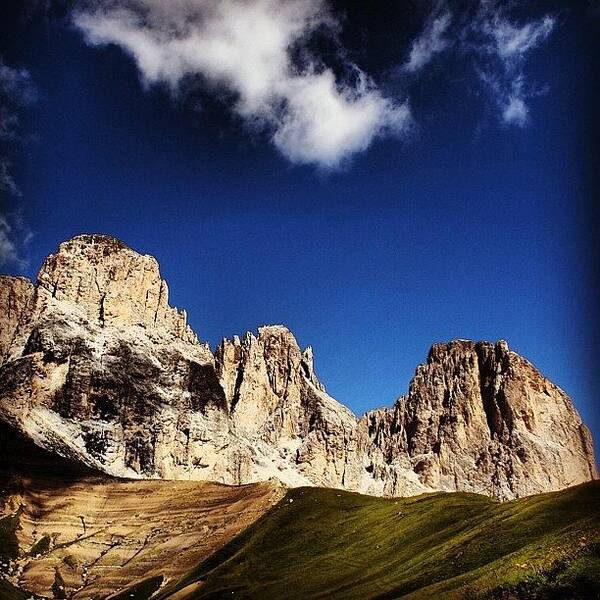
(27, 468)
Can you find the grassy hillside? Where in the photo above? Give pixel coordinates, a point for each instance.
(321, 543)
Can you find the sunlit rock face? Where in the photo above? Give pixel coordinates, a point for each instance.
(112, 285)
(480, 418)
(98, 367)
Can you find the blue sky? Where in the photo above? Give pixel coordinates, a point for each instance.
(449, 217)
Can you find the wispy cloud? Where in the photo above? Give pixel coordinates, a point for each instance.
(511, 41)
(250, 50)
(16, 92)
(8, 250)
(16, 85)
(14, 240)
(430, 42)
(498, 44)
(515, 111)
(504, 46)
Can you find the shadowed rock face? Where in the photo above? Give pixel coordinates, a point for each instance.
(16, 294)
(97, 367)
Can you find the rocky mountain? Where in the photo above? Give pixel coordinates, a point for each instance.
(97, 367)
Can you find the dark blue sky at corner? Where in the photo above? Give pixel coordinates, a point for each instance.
(468, 228)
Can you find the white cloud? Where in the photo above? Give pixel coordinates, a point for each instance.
(8, 249)
(515, 112)
(499, 45)
(16, 85)
(16, 91)
(246, 48)
(432, 41)
(506, 45)
(14, 239)
(514, 42)
(509, 96)
(323, 123)
(8, 185)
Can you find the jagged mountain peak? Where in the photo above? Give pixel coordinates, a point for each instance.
(460, 346)
(99, 241)
(98, 367)
(113, 284)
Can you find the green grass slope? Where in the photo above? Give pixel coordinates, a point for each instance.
(323, 543)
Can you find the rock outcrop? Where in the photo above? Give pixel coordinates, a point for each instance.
(112, 284)
(16, 294)
(480, 418)
(97, 367)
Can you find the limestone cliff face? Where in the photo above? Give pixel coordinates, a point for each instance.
(97, 367)
(478, 417)
(112, 284)
(16, 294)
(275, 398)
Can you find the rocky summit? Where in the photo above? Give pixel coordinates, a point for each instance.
(98, 368)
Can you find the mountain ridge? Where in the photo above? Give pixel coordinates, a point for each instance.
(97, 366)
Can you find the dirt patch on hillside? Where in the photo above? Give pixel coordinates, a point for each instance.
(91, 536)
